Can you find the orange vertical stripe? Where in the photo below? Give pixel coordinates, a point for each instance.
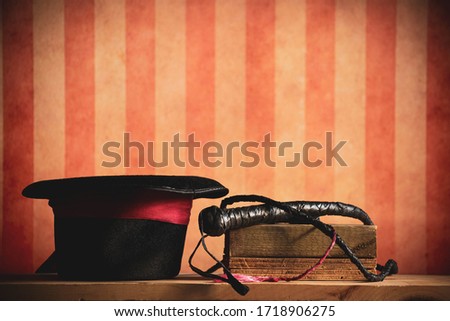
(438, 133)
(350, 100)
(380, 122)
(109, 81)
(290, 96)
(49, 114)
(200, 93)
(319, 108)
(79, 87)
(17, 254)
(170, 73)
(140, 79)
(260, 92)
(200, 67)
(410, 131)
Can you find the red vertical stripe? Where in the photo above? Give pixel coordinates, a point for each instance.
(438, 135)
(140, 79)
(319, 98)
(380, 121)
(1, 131)
(260, 92)
(17, 256)
(80, 90)
(200, 67)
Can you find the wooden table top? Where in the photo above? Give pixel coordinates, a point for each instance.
(193, 287)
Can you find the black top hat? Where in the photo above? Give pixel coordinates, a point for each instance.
(121, 227)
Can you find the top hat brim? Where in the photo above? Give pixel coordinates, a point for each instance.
(197, 187)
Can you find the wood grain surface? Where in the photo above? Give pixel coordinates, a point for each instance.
(192, 287)
(331, 269)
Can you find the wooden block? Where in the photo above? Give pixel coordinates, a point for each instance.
(331, 275)
(296, 263)
(331, 269)
(298, 240)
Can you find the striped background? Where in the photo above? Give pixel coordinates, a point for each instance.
(77, 73)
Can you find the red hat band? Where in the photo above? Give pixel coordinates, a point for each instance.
(153, 205)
